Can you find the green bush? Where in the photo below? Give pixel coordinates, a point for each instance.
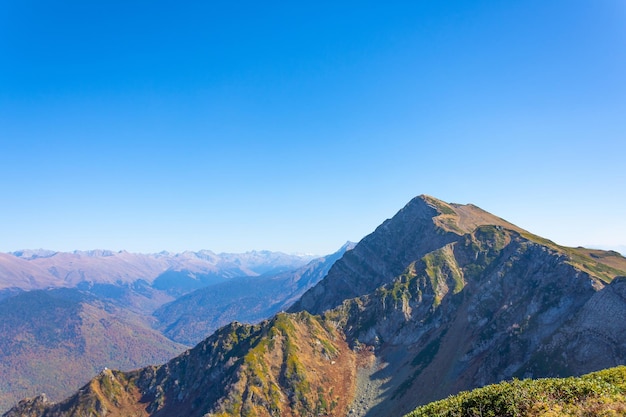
(598, 393)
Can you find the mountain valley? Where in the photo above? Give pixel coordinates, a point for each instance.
(66, 316)
(194, 316)
(56, 340)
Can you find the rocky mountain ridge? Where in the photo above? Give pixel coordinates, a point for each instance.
(438, 299)
(422, 226)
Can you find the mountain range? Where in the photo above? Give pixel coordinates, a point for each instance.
(39, 269)
(438, 299)
(66, 316)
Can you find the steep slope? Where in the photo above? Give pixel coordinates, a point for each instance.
(440, 298)
(54, 341)
(593, 339)
(193, 317)
(292, 365)
(474, 312)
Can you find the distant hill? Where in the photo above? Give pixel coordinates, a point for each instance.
(193, 317)
(59, 339)
(439, 299)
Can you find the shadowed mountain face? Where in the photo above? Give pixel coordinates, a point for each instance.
(438, 299)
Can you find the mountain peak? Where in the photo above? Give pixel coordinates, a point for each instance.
(460, 218)
(347, 246)
(383, 254)
(440, 298)
(33, 253)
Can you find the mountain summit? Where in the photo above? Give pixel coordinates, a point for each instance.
(438, 299)
(422, 226)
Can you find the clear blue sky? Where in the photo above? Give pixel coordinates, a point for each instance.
(231, 126)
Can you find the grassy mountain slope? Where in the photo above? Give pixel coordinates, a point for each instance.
(292, 365)
(492, 301)
(600, 393)
(54, 341)
(19, 273)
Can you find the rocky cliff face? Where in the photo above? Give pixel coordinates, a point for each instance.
(473, 312)
(594, 338)
(55, 340)
(440, 298)
(425, 224)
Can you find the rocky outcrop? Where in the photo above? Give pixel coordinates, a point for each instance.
(55, 340)
(595, 338)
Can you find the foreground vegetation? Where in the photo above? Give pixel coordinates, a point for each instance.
(600, 393)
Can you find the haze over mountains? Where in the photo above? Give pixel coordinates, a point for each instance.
(440, 298)
(36, 269)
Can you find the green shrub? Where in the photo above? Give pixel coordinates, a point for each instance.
(598, 393)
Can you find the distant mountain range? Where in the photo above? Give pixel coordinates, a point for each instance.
(40, 269)
(438, 299)
(66, 316)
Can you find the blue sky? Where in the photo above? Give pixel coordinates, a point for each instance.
(231, 126)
